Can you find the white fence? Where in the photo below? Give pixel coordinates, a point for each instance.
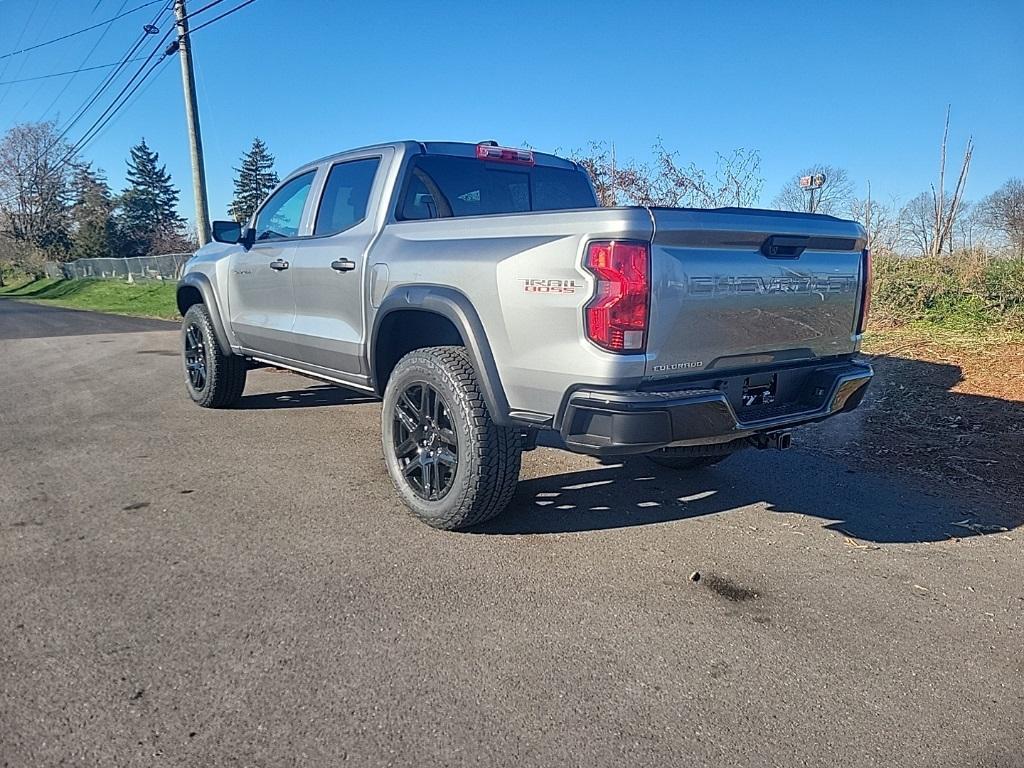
(167, 266)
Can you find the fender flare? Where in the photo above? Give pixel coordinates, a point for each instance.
(456, 307)
(202, 283)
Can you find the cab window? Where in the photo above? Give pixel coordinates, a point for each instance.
(282, 214)
(346, 194)
(441, 186)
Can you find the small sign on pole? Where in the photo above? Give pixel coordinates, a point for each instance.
(811, 183)
(817, 181)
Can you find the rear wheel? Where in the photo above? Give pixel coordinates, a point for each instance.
(213, 379)
(451, 464)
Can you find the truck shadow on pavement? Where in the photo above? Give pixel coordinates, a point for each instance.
(637, 492)
(916, 458)
(313, 396)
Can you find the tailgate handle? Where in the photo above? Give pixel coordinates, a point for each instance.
(784, 246)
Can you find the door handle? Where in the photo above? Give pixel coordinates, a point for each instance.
(780, 247)
(343, 265)
(279, 264)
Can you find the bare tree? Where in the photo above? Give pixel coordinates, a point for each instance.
(596, 159)
(917, 225)
(945, 209)
(834, 197)
(36, 186)
(616, 182)
(969, 232)
(735, 181)
(880, 220)
(1003, 211)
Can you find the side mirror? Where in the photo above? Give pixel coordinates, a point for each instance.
(227, 232)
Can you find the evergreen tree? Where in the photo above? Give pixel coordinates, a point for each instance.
(256, 178)
(149, 206)
(93, 232)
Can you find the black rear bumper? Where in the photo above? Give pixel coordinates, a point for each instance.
(604, 423)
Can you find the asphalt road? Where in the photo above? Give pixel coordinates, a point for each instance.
(205, 588)
(24, 320)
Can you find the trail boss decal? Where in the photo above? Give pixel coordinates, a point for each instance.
(548, 285)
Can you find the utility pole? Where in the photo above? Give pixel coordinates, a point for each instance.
(195, 139)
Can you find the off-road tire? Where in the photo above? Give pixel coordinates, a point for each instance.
(488, 455)
(224, 378)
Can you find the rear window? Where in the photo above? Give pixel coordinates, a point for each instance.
(442, 186)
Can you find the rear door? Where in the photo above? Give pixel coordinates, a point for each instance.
(329, 269)
(260, 297)
(736, 288)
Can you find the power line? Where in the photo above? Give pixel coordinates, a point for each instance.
(70, 80)
(218, 18)
(67, 84)
(113, 107)
(69, 72)
(96, 125)
(108, 81)
(80, 31)
(21, 64)
(118, 102)
(21, 34)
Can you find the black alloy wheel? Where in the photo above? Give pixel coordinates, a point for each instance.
(195, 356)
(214, 379)
(425, 442)
(452, 466)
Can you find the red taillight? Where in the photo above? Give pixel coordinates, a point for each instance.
(865, 298)
(504, 154)
(617, 315)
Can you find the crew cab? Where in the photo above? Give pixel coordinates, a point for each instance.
(483, 294)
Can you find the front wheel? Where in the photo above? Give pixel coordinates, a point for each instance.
(451, 464)
(213, 379)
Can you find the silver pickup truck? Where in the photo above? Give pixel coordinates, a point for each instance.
(483, 294)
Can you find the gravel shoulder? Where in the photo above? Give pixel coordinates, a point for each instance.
(947, 409)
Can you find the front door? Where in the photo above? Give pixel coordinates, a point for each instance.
(260, 294)
(328, 269)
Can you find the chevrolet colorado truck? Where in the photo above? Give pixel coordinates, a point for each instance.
(483, 294)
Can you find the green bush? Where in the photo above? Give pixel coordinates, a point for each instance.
(962, 292)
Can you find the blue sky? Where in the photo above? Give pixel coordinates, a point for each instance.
(860, 85)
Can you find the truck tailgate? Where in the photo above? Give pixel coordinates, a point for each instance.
(735, 288)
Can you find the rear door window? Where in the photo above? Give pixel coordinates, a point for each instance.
(346, 195)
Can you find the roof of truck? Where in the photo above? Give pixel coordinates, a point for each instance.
(453, 148)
